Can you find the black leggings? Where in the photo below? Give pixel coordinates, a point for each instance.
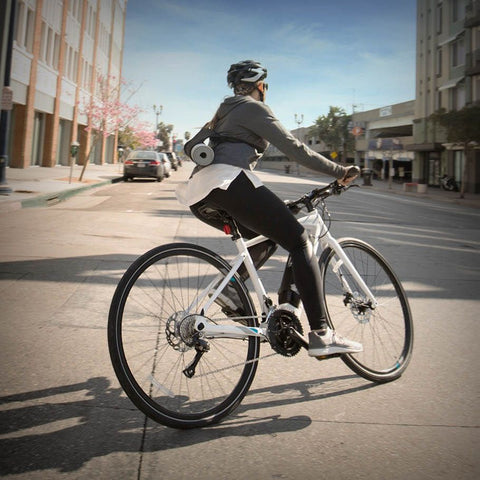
(258, 211)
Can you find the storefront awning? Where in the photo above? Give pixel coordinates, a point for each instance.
(425, 147)
(397, 156)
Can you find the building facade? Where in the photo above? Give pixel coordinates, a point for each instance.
(447, 77)
(60, 47)
(382, 138)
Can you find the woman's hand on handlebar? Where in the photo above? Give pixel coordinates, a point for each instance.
(352, 173)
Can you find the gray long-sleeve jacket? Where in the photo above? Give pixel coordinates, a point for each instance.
(251, 121)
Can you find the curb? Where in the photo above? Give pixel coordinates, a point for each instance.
(52, 198)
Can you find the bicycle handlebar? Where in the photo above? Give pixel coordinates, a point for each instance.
(310, 199)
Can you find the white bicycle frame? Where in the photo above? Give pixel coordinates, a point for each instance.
(320, 237)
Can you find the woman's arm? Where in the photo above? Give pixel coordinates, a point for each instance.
(260, 120)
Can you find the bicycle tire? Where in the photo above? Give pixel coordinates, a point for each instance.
(146, 349)
(385, 332)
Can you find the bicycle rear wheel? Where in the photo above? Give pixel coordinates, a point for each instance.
(146, 337)
(386, 332)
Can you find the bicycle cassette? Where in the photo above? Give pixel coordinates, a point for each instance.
(279, 332)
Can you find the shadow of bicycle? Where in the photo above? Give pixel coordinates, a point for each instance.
(64, 427)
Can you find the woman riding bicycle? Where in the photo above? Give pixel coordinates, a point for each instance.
(244, 126)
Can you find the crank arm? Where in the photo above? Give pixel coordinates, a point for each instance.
(299, 338)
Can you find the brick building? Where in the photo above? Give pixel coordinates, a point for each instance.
(59, 49)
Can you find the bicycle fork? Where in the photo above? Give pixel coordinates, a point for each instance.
(357, 297)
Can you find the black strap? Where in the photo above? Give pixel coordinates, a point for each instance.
(217, 139)
(200, 137)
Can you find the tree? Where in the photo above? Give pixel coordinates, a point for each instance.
(333, 130)
(137, 135)
(462, 127)
(164, 132)
(106, 113)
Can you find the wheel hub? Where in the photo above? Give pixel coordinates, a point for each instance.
(180, 331)
(360, 309)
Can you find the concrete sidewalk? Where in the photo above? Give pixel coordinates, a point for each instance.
(40, 186)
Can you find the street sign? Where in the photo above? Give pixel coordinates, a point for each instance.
(7, 98)
(334, 155)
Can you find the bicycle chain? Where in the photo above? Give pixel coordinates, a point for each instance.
(236, 365)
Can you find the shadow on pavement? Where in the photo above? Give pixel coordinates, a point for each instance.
(436, 279)
(47, 429)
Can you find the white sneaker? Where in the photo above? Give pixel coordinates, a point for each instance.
(330, 344)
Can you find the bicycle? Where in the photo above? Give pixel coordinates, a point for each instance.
(184, 334)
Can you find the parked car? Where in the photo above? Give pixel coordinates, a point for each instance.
(146, 163)
(166, 164)
(174, 160)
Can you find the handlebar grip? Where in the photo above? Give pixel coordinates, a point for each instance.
(353, 171)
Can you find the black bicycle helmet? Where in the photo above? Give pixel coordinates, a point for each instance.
(246, 71)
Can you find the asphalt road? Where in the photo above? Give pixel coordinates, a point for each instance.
(63, 414)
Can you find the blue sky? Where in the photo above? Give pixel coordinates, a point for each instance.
(318, 53)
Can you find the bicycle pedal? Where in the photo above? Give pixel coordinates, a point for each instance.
(326, 357)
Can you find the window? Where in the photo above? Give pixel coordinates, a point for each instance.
(104, 39)
(91, 13)
(71, 63)
(439, 61)
(30, 24)
(476, 86)
(75, 9)
(458, 97)
(458, 10)
(24, 25)
(439, 19)
(458, 52)
(438, 105)
(49, 46)
(56, 51)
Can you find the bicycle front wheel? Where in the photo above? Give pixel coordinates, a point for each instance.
(385, 331)
(146, 337)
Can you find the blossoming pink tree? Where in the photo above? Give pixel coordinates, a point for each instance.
(106, 113)
(143, 135)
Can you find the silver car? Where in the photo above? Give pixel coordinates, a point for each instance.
(146, 164)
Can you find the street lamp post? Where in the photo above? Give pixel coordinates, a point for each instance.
(158, 111)
(298, 121)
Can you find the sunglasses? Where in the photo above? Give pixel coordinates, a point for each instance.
(263, 87)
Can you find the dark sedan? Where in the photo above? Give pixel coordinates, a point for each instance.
(145, 163)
